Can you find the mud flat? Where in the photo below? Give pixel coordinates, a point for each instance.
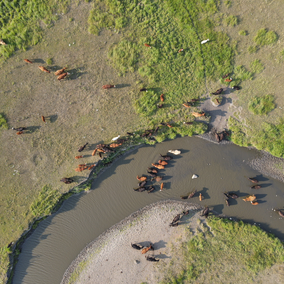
(111, 259)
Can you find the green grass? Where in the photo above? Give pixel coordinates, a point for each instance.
(228, 3)
(261, 105)
(3, 122)
(45, 202)
(231, 21)
(49, 61)
(228, 245)
(180, 76)
(265, 37)
(20, 22)
(256, 66)
(252, 49)
(243, 32)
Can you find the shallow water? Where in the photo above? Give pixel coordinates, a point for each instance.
(48, 252)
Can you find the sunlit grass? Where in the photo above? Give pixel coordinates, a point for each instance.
(265, 37)
(227, 245)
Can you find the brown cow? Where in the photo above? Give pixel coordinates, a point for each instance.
(229, 80)
(191, 194)
(141, 178)
(186, 105)
(254, 202)
(200, 197)
(67, 180)
(108, 86)
(162, 97)
(147, 45)
(162, 162)
(170, 126)
(160, 167)
(78, 157)
(94, 152)
(157, 178)
(27, 60)
(162, 186)
(43, 118)
(90, 167)
(114, 145)
(251, 197)
(254, 180)
(62, 76)
(59, 72)
(180, 50)
(197, 114)
(144, 250)
(19, 132)
(82, 147)
(43, 69)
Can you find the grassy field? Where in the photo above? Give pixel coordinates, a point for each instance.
(224, 251)
(103, 42)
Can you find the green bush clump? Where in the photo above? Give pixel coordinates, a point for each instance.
(231, 21)
(146, 104)
(20, 22)
(242, 74)
(261, 105)
(44, 202)
(256, 66)
(252, 49)
(264, 37)
(49, 61)
(243, 33)
(238, 134)
(3, 122)
(228, 3)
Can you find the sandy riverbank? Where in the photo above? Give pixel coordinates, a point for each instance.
(111, 259)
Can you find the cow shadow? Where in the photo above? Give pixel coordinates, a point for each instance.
(119, 86)
(162, 256)
(32, 129)
(52, 118)
(160, 244)
(204, 193)
(38, 60)
(76, 73)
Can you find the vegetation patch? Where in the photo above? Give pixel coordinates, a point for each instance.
(265, 37)
(261, 105)
(45, 201)
(226, 245)
(20, 22)
(241, 74)
(256, 66)
(231, 21)
(252, 49)
(243, 33)
(3, 122)
(167, 53)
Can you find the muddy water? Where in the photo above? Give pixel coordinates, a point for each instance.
(59, 239)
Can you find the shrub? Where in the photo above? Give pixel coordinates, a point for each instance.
(3, 122)
(252, 49)
(264, 37)
(243, 33)
(242, 74)
(49, 61)
(256, 66)
(261, 105)
(45, 201)
(231, 21)
(228, 3)
(146, 105)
